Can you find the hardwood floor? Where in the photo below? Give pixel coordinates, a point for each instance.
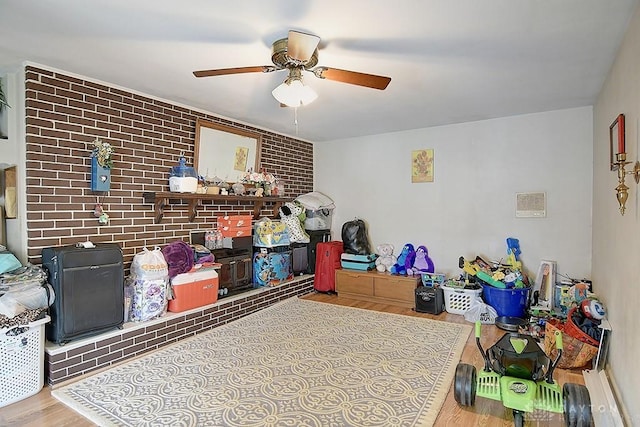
(43, 410)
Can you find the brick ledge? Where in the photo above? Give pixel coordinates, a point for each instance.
(104, 350)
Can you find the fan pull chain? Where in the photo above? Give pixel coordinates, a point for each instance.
(295, 119)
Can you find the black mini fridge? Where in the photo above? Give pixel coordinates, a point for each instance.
(89, 290)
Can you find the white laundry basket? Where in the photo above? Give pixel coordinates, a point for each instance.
(458, 300)
(21, 361)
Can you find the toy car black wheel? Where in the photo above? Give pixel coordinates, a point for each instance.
(518, 419)
(577, 405)
(465, 384)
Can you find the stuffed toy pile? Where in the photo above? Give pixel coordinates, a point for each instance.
(413, 261)
(405, 260)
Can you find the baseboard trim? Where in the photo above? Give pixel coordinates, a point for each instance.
(604, 406)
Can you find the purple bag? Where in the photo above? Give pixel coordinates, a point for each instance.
(179, 257)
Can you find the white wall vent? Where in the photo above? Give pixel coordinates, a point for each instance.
(531, 205)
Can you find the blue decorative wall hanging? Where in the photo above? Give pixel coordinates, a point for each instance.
(100, 176)
(101, 163)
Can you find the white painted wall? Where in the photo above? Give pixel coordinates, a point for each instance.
(8, 147)
(616, 238)
(469, 209)
(12, 152)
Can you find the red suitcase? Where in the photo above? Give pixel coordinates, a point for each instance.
(327, 262)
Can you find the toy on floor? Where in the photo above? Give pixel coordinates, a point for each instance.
(593, 309)
(513, 252)
(579, 292)
(422, 262)
(386, 259)
(514, 373)
(405, 260)
(497, 274)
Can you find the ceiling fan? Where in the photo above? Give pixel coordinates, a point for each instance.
(297, 53)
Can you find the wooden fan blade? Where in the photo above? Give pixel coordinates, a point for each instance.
(239, 70)
(352, 77)
(300, 46)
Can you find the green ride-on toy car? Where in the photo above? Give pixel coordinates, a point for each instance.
(514, 373)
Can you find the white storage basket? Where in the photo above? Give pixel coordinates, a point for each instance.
(318, 219)
(458, 300)
(21, 361)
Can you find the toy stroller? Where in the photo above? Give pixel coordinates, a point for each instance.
(514, 374)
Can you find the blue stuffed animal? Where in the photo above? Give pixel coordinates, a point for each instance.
(405, 260)
(422, 263)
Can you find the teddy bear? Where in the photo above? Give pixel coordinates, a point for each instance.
(289, 213)
(386, 258)
(422, 262)
(405, 260)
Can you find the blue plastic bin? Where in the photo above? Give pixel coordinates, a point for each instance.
(507, 302)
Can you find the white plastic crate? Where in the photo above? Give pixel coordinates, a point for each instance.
(319, 219)
(21, 361)
(458, 300)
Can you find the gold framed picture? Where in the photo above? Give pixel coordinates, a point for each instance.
(422, 165)
(240, 162)
(616, 141)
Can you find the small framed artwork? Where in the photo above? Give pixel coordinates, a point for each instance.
(422, 165)
(240, 160)
(616, 140)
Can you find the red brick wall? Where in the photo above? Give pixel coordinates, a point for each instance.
(65, 114)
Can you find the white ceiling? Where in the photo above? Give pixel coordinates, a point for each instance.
(450, 61)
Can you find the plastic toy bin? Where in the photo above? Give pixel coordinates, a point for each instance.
(458, 300)
(507, 302)
(21, 361)
(318, 219)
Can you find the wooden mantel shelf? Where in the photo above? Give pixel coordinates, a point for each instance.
(162, 199)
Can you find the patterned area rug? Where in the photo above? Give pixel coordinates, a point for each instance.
(297, 363)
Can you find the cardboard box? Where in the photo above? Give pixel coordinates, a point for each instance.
(234, 221)
(236, 231)
(193, 289)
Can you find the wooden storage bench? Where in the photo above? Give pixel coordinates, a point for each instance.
(377, 287)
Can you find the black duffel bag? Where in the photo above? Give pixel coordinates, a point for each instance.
(355, 238)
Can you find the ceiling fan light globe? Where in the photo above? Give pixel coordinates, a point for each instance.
(307, 95)
(284, 96)
(294, 94)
